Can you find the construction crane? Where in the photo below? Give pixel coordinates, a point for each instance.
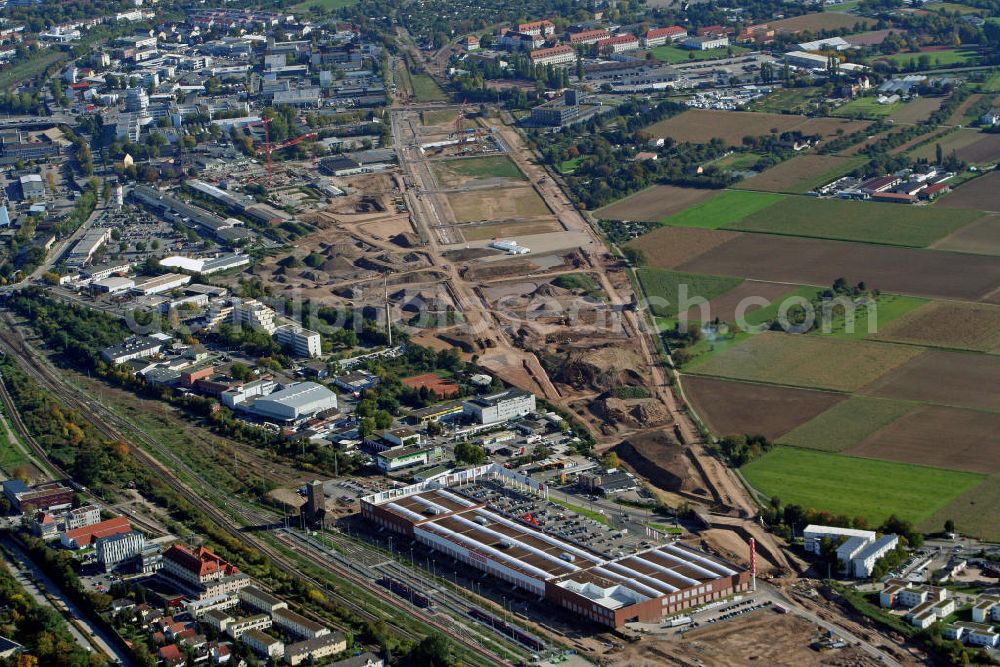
(265, 121)
(291, 142)
(460, 123)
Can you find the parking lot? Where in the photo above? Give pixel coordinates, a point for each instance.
(555, 519)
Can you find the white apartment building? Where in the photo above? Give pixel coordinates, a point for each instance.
(260, 601)
(263, 644)
(86, 515)
(254, 314)
(298, 625)
(814, 534)
(304, 343)
(238, 627)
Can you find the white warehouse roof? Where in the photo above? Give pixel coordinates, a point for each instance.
(295, 401)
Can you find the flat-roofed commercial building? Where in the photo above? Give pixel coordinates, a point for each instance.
(504, 405)
(643, 586)
(295, 402)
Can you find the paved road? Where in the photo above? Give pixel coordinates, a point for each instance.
(95, 636)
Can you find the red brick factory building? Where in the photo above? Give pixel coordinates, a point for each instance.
(641, 587)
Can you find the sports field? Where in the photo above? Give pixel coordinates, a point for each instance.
(675, 54)
(868, 222)
(855, 486)
(846, 424)
(666, 290)
(728, 207)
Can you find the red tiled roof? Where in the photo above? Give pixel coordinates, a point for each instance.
(87, 534)
(587, 34)
(660, 32)
(620, 39)
(201, 561)
(551, 51)
(170, 652)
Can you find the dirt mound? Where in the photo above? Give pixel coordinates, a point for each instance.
(656, 456)
(637, 413)
(601, 368)
(406, 240)
(550, 290)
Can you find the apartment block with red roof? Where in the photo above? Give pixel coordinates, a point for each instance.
(618, 44)
(543, 27)
(201, 571)
(587, 36)
(660, 36)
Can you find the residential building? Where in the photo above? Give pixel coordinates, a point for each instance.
(196, 566)
(499, 407)
(85, 515)
(587, 36)
(254, 314)
(79, 538)
(117, 550)
(258, 600)
(363, 660)
(297, 624)
(315, 649)
(303, 342)
(706, 43)
(660, 36)
(555, 114)
(864, 562)
(986, 608)
(263, 644)
(906, 594)
(543, 27)
(237, 627)
(618, 44)
(554, 55)
(813, 535)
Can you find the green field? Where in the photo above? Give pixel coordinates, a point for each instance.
(675, 54)
(888, 307)
(789, 100)
(866, 107)
(967, 510)
(585, 282)
(867, 222)
(659, 284)
(736, 161)
(32, 66)
(991, 84)
(728, 207)
(855, 486)
(11, 455)
(846, 424)
(476, 168)
(950, 7)
(425, 89)
(946, 58)
(569, 166)
(813, 362)
(321, 5)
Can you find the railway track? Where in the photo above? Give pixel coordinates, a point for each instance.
(115, 427)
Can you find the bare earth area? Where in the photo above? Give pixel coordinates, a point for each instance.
(742, 407)
(815, 262)
(948, 378)
(981, 237)
(668, 247)
(918, 437)
(655, 203)
(762, 638)
(981, 193)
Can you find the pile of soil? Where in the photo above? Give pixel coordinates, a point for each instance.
(406, 240)
(600, 368)
(636, 412)
(658, 457)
